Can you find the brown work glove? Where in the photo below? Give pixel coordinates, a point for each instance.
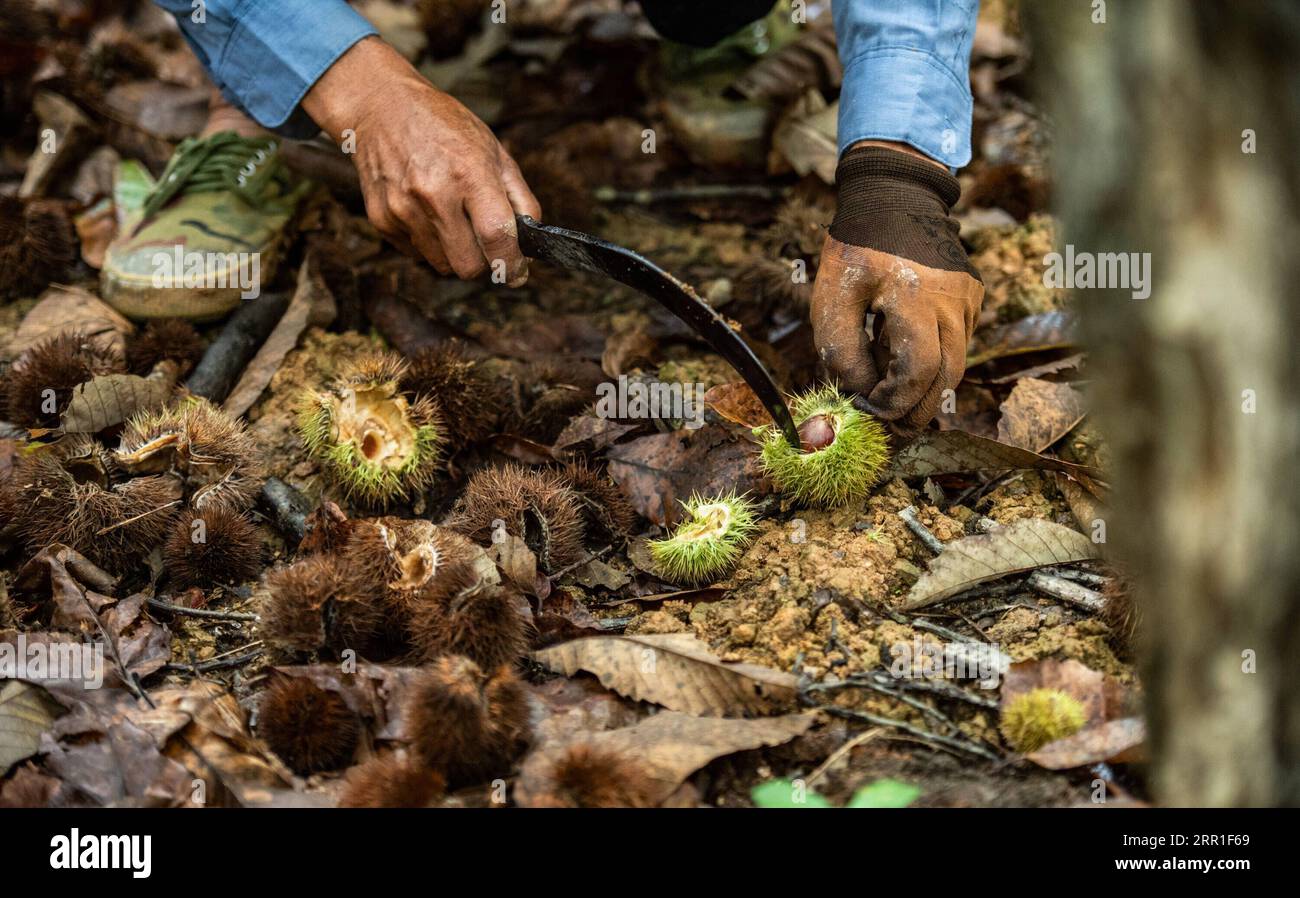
(893, 251)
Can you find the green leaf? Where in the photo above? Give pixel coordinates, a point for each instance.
(884, 794)
(786, 794)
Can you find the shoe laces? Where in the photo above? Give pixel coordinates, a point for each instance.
(246, 166)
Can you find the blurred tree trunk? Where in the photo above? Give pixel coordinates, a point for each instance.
(1198, 386)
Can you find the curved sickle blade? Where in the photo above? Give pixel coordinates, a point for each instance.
(582, 252)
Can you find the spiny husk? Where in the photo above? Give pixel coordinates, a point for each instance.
(391, 780)
(583, 775)
(460, 616)
(838, 474)
(537, 506)
(603, 503)
(465, 721)
(310, 728)
(230, 550)
(708, 541)
(58, 363)
(165, 338)
(325, 603)
(326, 419)
(65, 496)
(471, 401)
(212, 451)
(1041, 716)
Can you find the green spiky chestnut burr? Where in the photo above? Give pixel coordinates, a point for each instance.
(1036, 718)
(374, 441)
(708, 541)
(841, 455)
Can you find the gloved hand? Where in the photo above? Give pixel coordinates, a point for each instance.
(893, 251)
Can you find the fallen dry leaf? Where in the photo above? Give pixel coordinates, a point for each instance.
(107, 400)
(805, 137)
(957, 452)
(26, 711)
(668, 746)
(1063, 364)
(737, 403)
(975, 411)
(520, 448)
(677, 671)
(518, 564)
(96, 228)
(627, 351)
(109, 760)
(1112, 730)
(600, 432)
(972, 560)
(1034, 333)
(164, 110)
(71, 309)
(216, 747)
(658, 471)
(312, 305)
(1038, 413)
(597, 573)
(1115, 741)
(81, 603)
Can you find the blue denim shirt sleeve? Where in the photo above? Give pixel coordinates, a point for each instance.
(906, 74)
(265, 55)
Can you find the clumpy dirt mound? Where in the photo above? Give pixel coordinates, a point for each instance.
(1011, 261)
(820, 592)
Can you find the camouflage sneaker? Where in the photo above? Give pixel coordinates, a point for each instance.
(205, 235)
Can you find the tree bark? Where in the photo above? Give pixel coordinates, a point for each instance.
(1199, 385)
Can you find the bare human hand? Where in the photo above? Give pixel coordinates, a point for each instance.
(436, 181)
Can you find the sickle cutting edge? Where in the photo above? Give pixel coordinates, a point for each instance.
(577, 251)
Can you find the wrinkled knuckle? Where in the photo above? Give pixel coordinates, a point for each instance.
(469, 268)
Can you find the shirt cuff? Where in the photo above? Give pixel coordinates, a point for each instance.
(278, 50)
(909, 96)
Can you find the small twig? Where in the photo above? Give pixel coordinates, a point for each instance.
(949, 742)
(577, 564)
(870, 683)
(214, 664)
(614, 623)
(948, 690)
(242, 336)
(144, 514)
(983, 591)
(952, 635)
(974, 626)
(1067, 591)
(1012, 606)
(932, 542)
(256, 643)
(288, 507)
(128, 677)
(1089, 577)
(200, 612)
(860, 739)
